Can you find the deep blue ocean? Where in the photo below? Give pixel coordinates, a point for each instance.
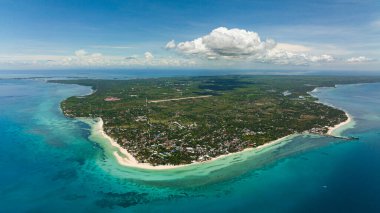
(49, 163)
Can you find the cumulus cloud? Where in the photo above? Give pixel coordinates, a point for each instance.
(80, 52)
(240, 44)
(170, 45)
(227, 43)
(82, 58)
(221, 47)
(321, 58)
(148, 56)
(360, 59)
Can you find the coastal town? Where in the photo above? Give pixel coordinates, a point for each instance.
(174, 121)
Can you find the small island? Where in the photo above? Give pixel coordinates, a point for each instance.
(182, 120)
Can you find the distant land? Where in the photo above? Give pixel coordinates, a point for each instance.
(182, 120)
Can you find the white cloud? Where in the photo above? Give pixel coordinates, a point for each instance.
(360, 59)
(293, 47)
(240, 44)
(148, 56)
(170, 45)
(96, 55)
(226, 43)
(82, 58)
(80, 52)
(321, 58)
(222, 47)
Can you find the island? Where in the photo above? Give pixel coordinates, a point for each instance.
(182, 120)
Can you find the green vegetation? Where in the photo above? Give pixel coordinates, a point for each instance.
(234, 113)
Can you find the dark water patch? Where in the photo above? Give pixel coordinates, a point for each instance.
(72, 197)
(111, 199)
(55, 142)
(67, 175)
(80, 161)
(38, 131)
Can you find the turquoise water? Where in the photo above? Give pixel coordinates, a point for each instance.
(51, 163)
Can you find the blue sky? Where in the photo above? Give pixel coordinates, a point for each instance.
(247, 34)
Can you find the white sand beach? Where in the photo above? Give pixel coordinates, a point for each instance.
(332, 130)
(124, 158)
(337, 129)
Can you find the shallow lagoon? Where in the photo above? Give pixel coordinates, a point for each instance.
(48, 163)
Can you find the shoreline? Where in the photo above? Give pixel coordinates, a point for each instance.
(129, 161)
(340, 125)
(333, 129)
